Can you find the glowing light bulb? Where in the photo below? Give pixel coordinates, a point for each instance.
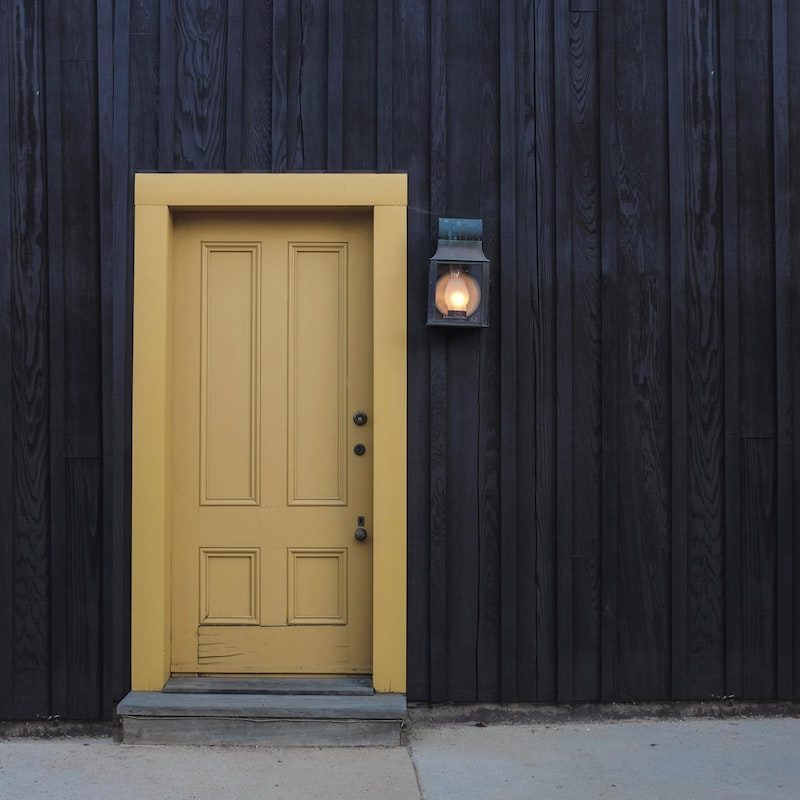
(456, 294)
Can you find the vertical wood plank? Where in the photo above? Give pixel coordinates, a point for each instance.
(757, 351)
(77, 432)
(335, 84)
(758, 503)
(30, 379)
(544, 384)
(6, 382)
(610, 435)
(83, 562)
(385, 74)
(528, 257)
(366, 77)
(564, 349)
(307, 98)
(439, 689)
(110, 468)
(410, 149)
(507, 266)
(117, 547)
(167, 63)
(702, 140)
(201, 35)
(728, 107)
(783, 338)
(234, 90)
(793, 33)
(280, 83)
(257, 60)
(678, 354)
(643, 345)
(587, 348)
(438, 519)
(488, 450)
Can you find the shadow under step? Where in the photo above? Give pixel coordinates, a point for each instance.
(303, 720)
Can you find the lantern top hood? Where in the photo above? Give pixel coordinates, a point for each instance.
(460, 241)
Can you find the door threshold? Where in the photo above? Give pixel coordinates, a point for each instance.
(309, 685)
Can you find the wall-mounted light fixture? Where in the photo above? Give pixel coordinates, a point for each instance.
(458, 285)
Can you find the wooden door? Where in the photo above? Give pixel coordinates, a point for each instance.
(271, 359)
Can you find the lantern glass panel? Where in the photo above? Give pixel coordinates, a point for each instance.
(457, 294)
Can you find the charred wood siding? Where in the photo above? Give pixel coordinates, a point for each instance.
(604, 486)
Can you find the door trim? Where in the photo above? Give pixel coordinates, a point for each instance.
(156, 197)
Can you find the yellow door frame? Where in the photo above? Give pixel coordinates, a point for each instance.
(156, 197)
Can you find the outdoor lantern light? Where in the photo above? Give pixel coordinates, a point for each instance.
(458, 287)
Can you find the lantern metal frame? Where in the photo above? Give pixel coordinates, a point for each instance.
(459, 246)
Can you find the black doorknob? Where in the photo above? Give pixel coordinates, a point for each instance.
(360, 418)
(360, 535)
(359, 449)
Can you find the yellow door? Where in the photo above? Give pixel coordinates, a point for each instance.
(271, 360)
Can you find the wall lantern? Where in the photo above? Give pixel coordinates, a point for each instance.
(458, 286)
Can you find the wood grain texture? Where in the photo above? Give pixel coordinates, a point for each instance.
(410, 145)
(6, 394)
(758, 512)
(677, 159)
(525, 293)
(542, 292)
(257, 57)
(508, 362)
(604, 485)
(364, 70)
(587, 348)
(200, 91)
(307, 85)
(643, 378)
(461, 142)
(730, 256)
(610, 361)
(565, 428)
(234, 89)
(488, 452)
(793, 31)
(83, 600)
(30, 471)
(783, 342)
(280, 85)
(704, 357)
(117, 545)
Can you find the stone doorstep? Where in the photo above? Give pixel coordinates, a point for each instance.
(260, 719)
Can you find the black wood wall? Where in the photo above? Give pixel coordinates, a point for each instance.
(604, 486)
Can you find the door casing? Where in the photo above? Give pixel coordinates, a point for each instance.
(156, 197)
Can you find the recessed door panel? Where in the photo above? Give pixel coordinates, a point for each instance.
(271, 357)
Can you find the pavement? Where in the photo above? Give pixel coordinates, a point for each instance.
(702, 759)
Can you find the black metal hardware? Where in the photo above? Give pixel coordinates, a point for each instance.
(360, 418)
(360, 535)
(359, 449)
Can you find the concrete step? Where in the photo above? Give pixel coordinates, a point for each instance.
(262, 719)
(223, 684)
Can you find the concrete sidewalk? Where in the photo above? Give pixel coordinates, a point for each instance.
(631, 760)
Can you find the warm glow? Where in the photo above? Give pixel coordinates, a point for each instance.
(456, 294)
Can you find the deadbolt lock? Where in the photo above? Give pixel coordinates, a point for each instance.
(360, 418)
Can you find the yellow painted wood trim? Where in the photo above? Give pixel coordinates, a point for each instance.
(150, 511)
(389, 492)
(156, 195)
(221, 190)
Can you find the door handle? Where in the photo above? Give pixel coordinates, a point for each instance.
(360, 535)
